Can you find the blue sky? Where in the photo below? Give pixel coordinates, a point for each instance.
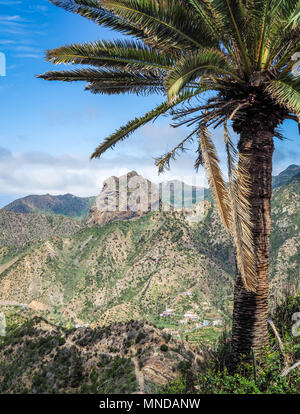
(49, 129)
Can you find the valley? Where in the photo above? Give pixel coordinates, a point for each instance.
(160, 266)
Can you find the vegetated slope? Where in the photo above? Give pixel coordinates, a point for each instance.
(17, 229)
(136, 269)
(38, 357)
(285, 238)
(122, 271)
(66, 205)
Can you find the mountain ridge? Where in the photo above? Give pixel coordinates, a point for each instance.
(131, 268)
(79, 207)
(67, 205)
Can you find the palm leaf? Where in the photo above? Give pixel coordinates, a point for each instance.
(93, 10)
(241, 224)
(114, 54)
(163, 162)
(132, 126)
(287, 93)
(109, 81)
(169, 21)
(215, 177)
(205, 63)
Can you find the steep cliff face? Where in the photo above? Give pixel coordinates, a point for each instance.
(123, 198)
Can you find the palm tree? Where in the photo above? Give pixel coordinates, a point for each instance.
(216, 63)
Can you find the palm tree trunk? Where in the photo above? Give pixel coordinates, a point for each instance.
(250, 313)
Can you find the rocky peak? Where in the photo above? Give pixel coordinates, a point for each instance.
(123, 198)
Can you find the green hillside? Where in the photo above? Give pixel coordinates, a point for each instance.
(137, 269)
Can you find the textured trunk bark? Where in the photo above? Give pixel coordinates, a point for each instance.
(250, 314)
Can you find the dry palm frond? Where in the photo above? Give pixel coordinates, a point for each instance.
(163, 162)
(214, 176)
(241, 223)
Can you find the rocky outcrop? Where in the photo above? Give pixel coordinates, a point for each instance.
(123, 198)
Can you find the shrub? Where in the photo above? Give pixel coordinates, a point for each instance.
(140, 336)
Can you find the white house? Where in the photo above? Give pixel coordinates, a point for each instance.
(217, 322)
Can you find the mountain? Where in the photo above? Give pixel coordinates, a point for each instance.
(138, 268)
(120, 197)
(120, 271)
(38, 357)
(285, 176)
(170, 192)
(76, 297)
(285, 237)
(178, 194)
(79, 207)
(66, 205)
(172, 267)
(132, 196)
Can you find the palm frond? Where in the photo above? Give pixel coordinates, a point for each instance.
(215, 177)
(199, 162)
(232, 12)
(213, 19)
(282, 37)
(108, 81)
(206, 62)
(241, 224)
(169, 22)
(160, 23)
(293, 18)
(132, 126)
(286, 92)
(163, 162)
(138, 88)
(114, 54)
(128, 129)
(93, 10)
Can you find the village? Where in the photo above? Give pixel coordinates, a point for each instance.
(192, 325)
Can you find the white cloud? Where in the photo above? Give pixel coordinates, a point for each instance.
(40, 173)
(11, 18)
